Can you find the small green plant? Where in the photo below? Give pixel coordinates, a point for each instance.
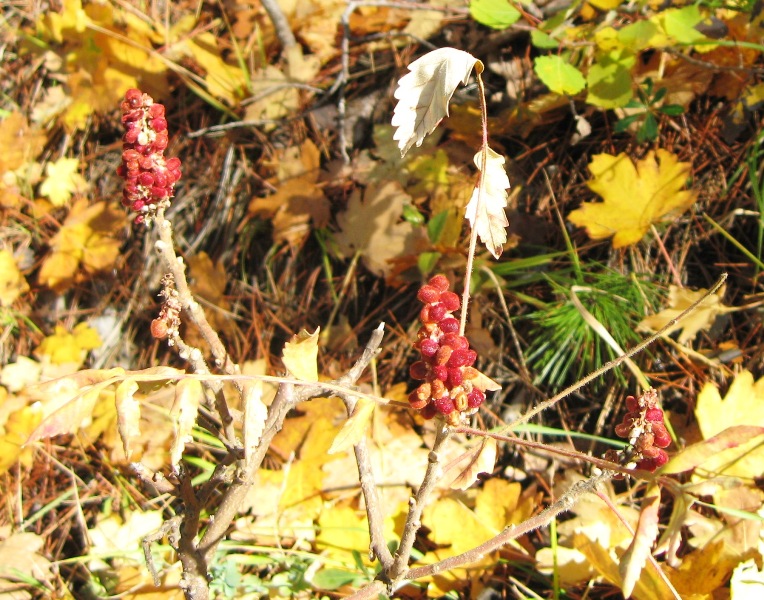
(649, 109)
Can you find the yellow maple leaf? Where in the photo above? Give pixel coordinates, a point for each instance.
(15, 431)
(62, 181)
(12, 281)
(88, 239)
(634, 195)
(64, 347)
(19, 143)
(679, 300)
(743, 405)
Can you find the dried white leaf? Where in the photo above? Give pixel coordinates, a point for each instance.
(255, 414)
(128, 414)
(489, 218)
(188, 394)
(423, 93)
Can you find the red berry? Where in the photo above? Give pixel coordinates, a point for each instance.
(419, 370)
(440, 282)
(443, 355)
(440, 372)
(661, 435)
(475, 398)
(429, 411)
(653, 463)
(444, 405)
(456, 341)
(428, 294)
(449, 325)
(459, 358)
(454, 377)
(632, 404)
(416, 402)
(654, 414)
(428, 347)
(450, 300)
(437, 312)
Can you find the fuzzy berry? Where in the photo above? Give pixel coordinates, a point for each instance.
(149, 178)
(643, 426)
(449, 387)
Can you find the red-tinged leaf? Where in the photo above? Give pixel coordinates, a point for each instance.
(636, 555)
(482, 460)
(695, 455)
(128, 414)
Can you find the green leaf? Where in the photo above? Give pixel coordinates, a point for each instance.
(436, 225)
(640, 35)
(609, 80)
(543, 40)
(331, 579)
(412, 215)
(427, 261)
(679, 24)
(498, 14)
(649, 129)
(672, 110)
(559, 75)
(624, 123)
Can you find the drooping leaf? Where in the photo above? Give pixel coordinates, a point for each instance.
(300, 355)
(128, 414)
(481, 460)
(189, 394)
(489, 217)
(255, 415)
(423, 94)
(559, 75)
(635, 196)
(355, 427)
(635, 557)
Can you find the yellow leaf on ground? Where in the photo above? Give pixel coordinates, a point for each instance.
(21, 558)
(19, 143)
(679, 300)
(64, 347)
(355, 427)
(743, 405)
(62, 180)
(634, 196)
(12, 281)
(88, 239)
(14, 433)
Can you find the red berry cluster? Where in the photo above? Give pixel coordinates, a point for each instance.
(446, 369)
(149, 177)
(643, 426)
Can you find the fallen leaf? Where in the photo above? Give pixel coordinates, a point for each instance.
(423, 94)
(747, 581)
(63, 347)
(12, 282)
(372, 227)
(489, 219)
(62, 180)
(679, 300)
(634, 196)
(87, 239)
(19, 142)
(22, 561)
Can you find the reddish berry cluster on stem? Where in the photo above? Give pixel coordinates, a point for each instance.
(149, 178)
(445, 367)
(643, 426)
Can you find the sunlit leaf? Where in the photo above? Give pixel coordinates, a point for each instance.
(489, 218)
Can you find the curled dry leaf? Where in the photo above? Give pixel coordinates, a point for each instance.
(255, 414)
(486, 213)
(482, 460)
(423, 94)
(128, 414)
(188, 395)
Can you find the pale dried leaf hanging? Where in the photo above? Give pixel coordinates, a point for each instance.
(423, 93)
(255, 414)
(482, 460)
(354, 428)
(300, 355)
(128, 414)
(188, 395)
(489, 218)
